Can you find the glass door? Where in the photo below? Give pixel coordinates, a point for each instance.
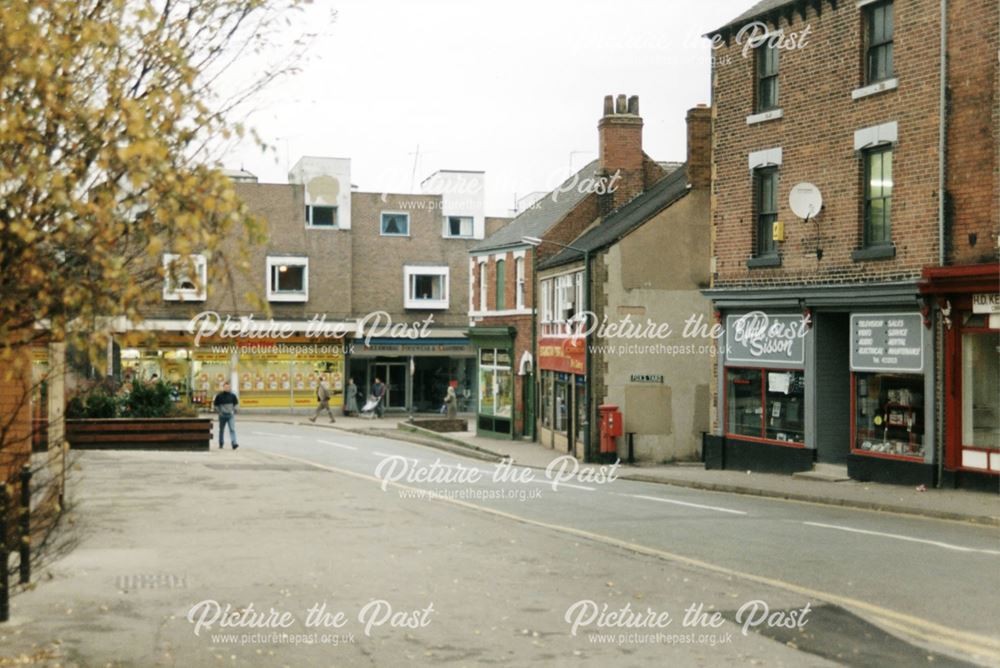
(393, 374)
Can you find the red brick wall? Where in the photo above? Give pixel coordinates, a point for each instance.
(973, 118)
(816, 134)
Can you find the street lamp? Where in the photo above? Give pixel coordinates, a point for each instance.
(538, 241)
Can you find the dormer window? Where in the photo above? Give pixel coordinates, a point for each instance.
(185, 277)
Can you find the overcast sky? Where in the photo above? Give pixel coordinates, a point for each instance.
(512, 88)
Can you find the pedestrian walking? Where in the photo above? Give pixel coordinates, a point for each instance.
(225, 404)
(323, 397)
(451, 402)
(378, 391)
(351, 398)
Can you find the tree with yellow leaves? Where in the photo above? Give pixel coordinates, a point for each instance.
(109, 113)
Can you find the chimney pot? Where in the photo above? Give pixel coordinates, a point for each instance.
(609, 105)
(620, 105)
(633, 105)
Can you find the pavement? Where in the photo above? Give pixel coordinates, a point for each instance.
(949, 504)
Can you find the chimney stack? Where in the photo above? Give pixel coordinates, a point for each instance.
(620, 149)
(699, 146)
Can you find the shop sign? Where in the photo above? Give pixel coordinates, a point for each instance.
(761, 338)
(646, 378)
(986, 303)
(887, 342)
(561, 354)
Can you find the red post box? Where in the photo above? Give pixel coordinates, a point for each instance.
(611, 427)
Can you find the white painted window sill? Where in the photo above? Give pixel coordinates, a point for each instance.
(764, 116)
(875, 88)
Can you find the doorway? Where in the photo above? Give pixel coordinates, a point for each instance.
(393, 374)
(833, 387)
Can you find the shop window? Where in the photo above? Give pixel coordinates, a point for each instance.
(496, 383)
(561, 414)
(981, 391)
(185, 277)
(878, 196)
(888, 410)
(545, 405)
(879, 65)
(426, 287)
(287, 279)
(767, 77)
(395, 224)
(460, 226)
(321, 216)
(766, 404)
(581, 409)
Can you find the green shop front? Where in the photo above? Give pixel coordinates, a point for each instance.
(495, 360)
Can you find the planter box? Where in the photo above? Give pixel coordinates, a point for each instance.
(139, 434)
(441, 425)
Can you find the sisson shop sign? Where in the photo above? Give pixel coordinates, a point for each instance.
(759, 337)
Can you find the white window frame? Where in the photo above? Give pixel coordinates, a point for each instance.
(483, 286)
(309, 217)
(409, 301)
(472, 227)
(274, 261)
(381, 223)
(174, 294)
(519, 290)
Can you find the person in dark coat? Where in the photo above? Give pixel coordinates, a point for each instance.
(225, 404)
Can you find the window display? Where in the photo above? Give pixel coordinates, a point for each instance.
(545, 405)
(775, 411)
(981, 389)
(496, 383)
(889, 414)
(562, 402)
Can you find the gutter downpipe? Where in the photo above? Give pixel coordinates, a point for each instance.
(588, 378)
(942, 146)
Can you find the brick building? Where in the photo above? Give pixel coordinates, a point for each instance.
(637, 280)
(502, 301)
(837, 128)
(333, 261)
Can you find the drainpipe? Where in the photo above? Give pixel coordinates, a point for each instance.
(940, 432)
(942, 126)
(536, 375)
(588, 377)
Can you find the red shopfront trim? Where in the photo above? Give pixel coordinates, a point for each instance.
(763, 404)
(953, 287)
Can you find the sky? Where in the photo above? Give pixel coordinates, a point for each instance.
(512, 88)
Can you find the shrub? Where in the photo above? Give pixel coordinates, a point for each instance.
(148, 400)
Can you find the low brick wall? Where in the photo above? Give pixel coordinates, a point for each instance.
(139, 434)
(441, 425)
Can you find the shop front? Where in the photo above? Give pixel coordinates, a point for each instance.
(265, 374)
(763, 395)
(495, 406)
(968, 300)
(832, 376)
(562, 395)
(416, 372)
(891, 398)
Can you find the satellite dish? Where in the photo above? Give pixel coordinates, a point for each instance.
(805, 200)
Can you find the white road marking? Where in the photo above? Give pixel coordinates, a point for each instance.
(685, 503)
(563, 484)
(268, 433)
(382, 454)
(337, 445)
(936, 543)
